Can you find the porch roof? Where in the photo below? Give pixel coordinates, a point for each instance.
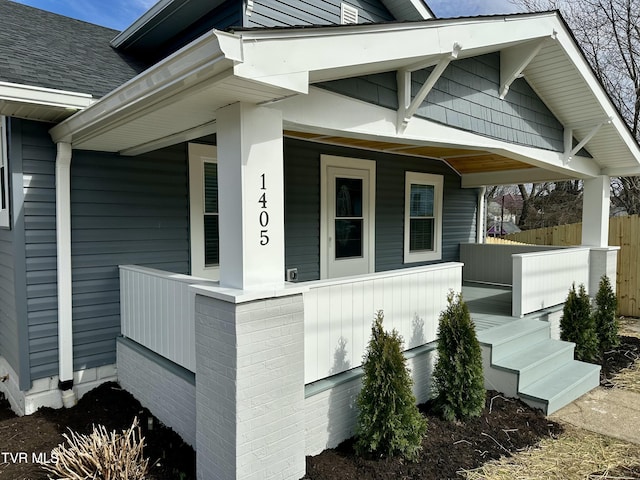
(176, 100)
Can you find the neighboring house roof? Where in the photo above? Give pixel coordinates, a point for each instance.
(43, 49)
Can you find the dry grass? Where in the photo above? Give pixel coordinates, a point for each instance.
(576, 455)
(629, 378)
(101, 455)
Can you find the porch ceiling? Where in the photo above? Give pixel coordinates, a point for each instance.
(462, 160)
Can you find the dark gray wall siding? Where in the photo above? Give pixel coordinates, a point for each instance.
(124, 211)
(38, 166)
(302, 210)
(272, 13)
(467, 97)
(8, 315)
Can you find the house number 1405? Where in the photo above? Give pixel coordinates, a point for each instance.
(263, 217)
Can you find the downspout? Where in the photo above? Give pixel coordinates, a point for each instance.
(481, 218)
(63, 243)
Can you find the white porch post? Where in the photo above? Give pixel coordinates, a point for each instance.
(595, 231)
(595, 211)
(251, 195)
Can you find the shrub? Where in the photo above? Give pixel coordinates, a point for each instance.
(605, 316)
(101, 455)
(389, 422)
(457, 377)
(577, 325)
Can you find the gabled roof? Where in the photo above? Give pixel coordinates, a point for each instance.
(176, 99)
(43, 49)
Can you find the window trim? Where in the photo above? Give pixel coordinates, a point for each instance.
(5, 220)
(436, 181)
(199, 154)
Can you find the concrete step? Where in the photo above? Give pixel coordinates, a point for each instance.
(513, 337)
(562, 386)
(537, 361)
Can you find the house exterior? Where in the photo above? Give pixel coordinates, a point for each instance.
(210, 205)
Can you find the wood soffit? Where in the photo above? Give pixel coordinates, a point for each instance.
(462, 160)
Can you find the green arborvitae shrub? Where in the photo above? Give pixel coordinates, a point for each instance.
(389, 422)
(577, 325)
(606, 316)
(457, 377)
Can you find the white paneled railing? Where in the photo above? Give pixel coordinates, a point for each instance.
(338, 313)
(543, 279)
(157, 311)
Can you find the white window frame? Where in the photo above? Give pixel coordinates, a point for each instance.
(4, 212)
(436, 181)
(199, 154)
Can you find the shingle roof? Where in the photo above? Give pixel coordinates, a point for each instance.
(43, 49)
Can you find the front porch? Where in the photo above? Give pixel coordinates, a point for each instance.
(177, 328)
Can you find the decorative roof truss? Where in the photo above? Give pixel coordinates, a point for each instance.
(569, 150)
(407, 107)
(513, 61)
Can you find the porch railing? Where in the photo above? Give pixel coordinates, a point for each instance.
(543, 279)
(157, 311)
(338, 313)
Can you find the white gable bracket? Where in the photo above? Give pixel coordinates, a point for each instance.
(514, 60)
(569, 149)
(408, 107)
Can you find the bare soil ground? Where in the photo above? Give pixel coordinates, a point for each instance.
(507, 426)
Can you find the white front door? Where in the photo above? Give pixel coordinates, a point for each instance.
(348, 211)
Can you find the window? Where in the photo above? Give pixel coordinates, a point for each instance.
(203, 210)
(4, 175)
(422, 217)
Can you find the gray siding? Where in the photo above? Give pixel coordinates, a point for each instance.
(38, 166)
(273, 13)
(124, 210)
(467, 97)
(302, 210)
(8, 315)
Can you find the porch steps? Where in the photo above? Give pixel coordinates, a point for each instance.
(521, 359)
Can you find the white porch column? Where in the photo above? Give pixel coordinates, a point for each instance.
(595, 211)
(595, 231)
(251, 196)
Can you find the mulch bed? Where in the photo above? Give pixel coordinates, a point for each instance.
(506, 426)
(106, 405)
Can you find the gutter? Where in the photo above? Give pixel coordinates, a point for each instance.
(63, 245)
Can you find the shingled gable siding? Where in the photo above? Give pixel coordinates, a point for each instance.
(466, 97)
(272, 13)
(302, 206)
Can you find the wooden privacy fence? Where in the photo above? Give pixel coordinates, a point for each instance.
(623, 232)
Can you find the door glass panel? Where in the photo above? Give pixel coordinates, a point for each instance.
(348, 238)
(348, 197)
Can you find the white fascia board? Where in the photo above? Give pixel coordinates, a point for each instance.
(370, 46)
(572, 50)
(317, 113)
(28, 94)
(208, 57)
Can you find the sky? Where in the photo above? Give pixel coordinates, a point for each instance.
(119, 14)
